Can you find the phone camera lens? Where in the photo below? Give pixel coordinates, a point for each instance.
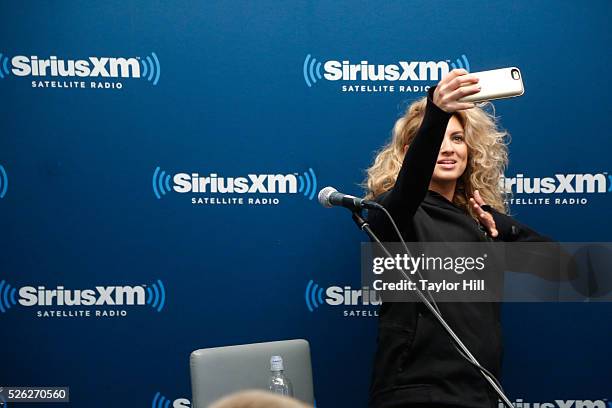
(516, 74)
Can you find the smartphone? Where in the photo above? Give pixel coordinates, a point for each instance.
(497, 84)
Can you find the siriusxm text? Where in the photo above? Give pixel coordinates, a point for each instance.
(560, 404)
(252, 183)
(106, 67)
(402, 71)
(101, 295)
(560, 183)
(337, 295)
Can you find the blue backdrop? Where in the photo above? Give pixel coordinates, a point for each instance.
(107, 106)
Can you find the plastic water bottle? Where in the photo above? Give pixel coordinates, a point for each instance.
(279, 383)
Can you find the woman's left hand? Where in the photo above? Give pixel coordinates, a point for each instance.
(484, 217)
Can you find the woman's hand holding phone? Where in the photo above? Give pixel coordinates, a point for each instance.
(454, 86)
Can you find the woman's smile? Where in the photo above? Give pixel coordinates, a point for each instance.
(447, 164)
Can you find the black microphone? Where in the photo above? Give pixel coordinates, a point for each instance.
(329, 197)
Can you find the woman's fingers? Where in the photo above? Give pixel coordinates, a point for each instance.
(488, 220)
(478, 198)
(461, 81)
(463, 91)
(490, 224)
(454, 74)
(456, 106)
(457, 84)
(485, 218)
(454, 86)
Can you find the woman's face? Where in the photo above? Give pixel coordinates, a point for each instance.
(453, 155)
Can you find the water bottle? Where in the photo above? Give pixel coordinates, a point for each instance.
(279, 383)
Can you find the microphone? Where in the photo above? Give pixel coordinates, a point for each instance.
(329, 197)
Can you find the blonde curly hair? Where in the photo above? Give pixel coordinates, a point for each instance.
(487, 156)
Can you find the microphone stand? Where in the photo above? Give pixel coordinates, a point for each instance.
(365, 227)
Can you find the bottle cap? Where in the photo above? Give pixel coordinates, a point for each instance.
(276, 363)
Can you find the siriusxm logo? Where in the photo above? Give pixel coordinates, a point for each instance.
(194, 183)
(560, 404)
(147, 68)
(159, 401)
(336, 70)
(558, 189)
(3, 181)
(559, 183)
(153, 295)
(315, 296)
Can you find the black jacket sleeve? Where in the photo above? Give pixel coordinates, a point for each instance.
(510, 230)
(419, 162)
(549, 260)
(415, 174)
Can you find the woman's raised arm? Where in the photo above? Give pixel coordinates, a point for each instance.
(419, 162)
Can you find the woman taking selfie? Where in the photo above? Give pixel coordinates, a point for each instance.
(439, 179)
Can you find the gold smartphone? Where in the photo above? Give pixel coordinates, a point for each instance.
(497, 84)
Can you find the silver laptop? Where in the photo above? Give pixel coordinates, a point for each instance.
(216, 372)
